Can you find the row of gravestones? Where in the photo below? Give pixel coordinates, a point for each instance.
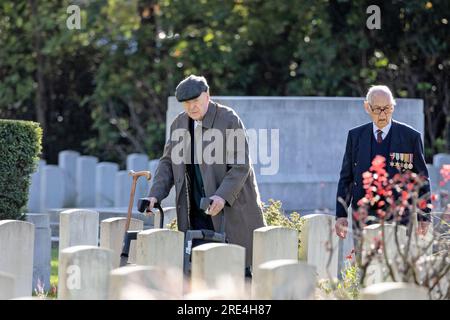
(43, 237)
(83, 182)
(87, 271)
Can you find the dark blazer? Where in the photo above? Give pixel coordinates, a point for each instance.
(357, 160)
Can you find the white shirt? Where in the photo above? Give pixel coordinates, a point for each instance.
(196, 133)
(385, 130)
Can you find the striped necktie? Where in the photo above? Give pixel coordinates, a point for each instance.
(379, 136)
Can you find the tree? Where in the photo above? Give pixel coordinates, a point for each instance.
(112, 78)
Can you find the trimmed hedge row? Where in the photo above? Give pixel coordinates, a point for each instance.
(20, 147)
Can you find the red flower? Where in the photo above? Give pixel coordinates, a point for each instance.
(405, 195)
(378, 162)
(350, 255)
(381, 213)
(367, 175)
(434, 197)
(422, 204)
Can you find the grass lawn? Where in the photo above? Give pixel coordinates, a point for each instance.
(51, 294)
(54, 270)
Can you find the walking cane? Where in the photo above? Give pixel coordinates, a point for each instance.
(126, 239)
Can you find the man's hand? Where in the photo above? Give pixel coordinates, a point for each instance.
(341, 227)
(149, 212)
(216, 206)
(422, 227)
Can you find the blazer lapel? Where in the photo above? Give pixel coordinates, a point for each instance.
(364, 148)
(180, 169)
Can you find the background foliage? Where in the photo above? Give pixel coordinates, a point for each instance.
(104, 87)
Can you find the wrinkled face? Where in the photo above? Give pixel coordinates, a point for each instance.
(380, 109)
(196, 108)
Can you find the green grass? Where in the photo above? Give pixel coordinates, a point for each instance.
(54, 268)
(51, 294)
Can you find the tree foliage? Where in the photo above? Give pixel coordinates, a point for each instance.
(104, 87)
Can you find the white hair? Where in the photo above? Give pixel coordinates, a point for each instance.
(380, 89)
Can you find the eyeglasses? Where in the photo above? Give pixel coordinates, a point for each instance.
(379, 110)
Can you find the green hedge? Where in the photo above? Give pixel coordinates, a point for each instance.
(20, 147)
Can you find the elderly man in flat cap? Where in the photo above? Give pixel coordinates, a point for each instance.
(398, 143)
(229, 181)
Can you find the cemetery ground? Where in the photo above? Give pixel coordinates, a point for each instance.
(283, 245)
(295, 256)
(54, 271)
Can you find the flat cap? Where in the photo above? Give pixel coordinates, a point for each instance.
(191, 88)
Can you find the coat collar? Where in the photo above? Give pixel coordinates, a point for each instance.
(208, 119)
(364, 147)
(210, 115)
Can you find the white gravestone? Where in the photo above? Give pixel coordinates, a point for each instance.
(84, 273)
(67, 161)
(122, 189)
(42, 250)
(16, 253)
(52, 188)
(78, 227)
(285, 280)
(7, 286)
(143, 283)
(139, 162)
(105, 184)
(394, 291)
(319, 244)
(85, 181)
(215, 265)
(112, 233)
(34, 194)
(162, 248)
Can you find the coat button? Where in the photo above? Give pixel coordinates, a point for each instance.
(355, 183)
(356, 163)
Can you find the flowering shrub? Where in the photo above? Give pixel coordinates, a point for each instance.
(397, 252)
(445, 174)
(443, 193)
(172, 225)
(390, 199)
(348, 287)
(40, 292)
